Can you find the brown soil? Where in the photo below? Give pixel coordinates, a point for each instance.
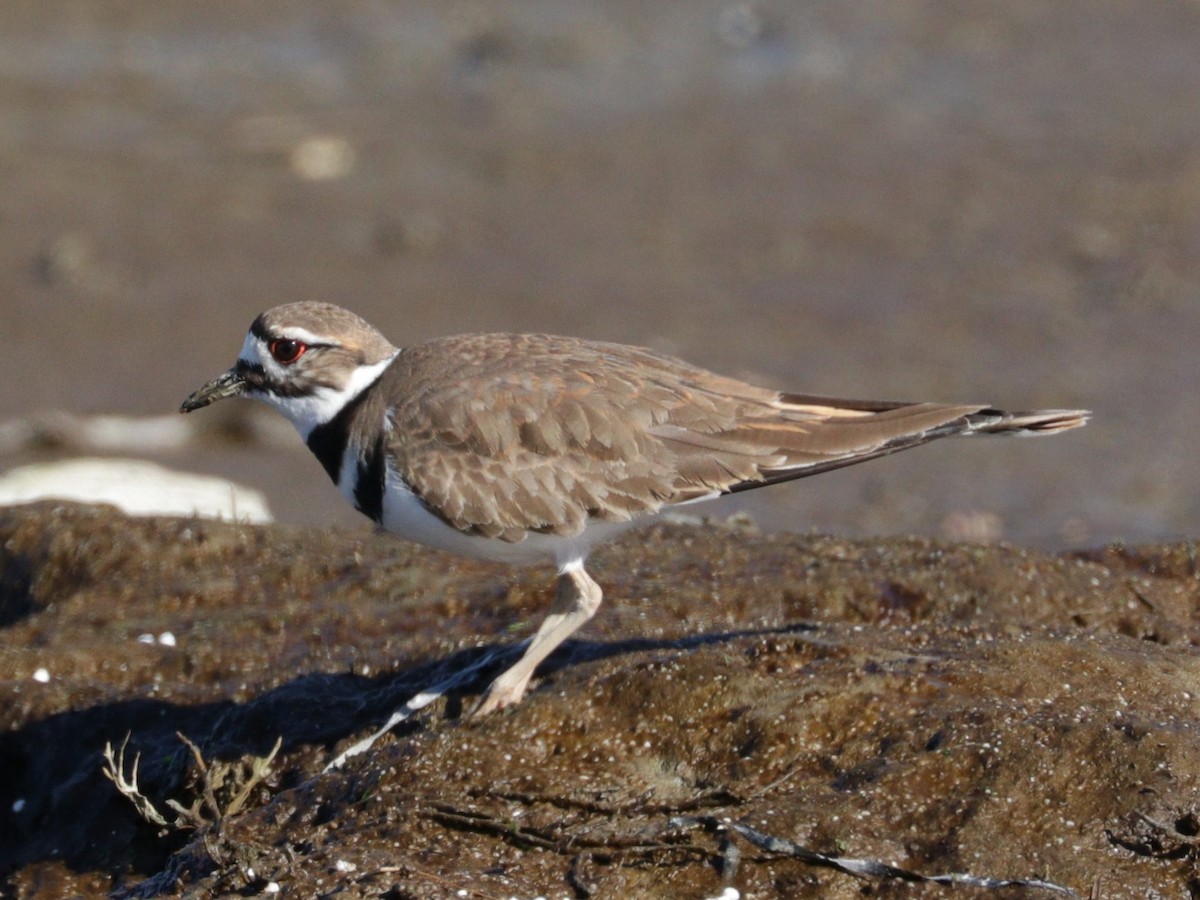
(941, 707)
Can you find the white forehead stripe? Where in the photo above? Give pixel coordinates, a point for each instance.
(252, 350)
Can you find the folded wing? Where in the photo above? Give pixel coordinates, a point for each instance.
(582, 430)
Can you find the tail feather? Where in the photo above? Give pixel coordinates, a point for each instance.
(1039, 421)
(812, 438)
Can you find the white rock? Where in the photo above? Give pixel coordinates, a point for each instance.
(137, 487)
(323, 157)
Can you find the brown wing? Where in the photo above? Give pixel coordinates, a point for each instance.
(505, 434)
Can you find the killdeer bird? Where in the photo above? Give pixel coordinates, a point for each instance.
(530, 448)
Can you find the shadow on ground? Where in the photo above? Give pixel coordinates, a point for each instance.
(943, 707)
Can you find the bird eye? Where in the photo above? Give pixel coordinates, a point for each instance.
(287, 351)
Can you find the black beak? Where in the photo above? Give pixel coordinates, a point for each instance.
(231, 384)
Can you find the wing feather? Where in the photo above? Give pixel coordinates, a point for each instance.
(502, 435)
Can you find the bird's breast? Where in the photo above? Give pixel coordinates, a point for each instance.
(406, 515)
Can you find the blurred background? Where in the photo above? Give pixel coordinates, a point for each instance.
(906, 199)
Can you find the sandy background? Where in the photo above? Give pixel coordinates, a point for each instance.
(916, 200)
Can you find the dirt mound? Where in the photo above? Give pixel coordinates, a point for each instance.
(939, 707)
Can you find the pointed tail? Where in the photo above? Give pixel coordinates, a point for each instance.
(1038, 421)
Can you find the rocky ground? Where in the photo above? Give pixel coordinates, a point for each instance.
(917, 199)
(944, 708)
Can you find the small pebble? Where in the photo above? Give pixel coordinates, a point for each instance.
(42, 676)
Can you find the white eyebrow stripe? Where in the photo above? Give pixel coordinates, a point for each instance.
(304, 335)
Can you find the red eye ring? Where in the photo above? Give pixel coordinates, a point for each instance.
(286, 351)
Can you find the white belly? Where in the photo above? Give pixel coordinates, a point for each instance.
(404, 515)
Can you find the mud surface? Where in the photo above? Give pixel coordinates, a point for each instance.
(942, 707)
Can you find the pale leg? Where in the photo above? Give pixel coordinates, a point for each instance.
(575, 601)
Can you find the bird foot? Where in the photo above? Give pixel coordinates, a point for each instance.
(500, 693)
